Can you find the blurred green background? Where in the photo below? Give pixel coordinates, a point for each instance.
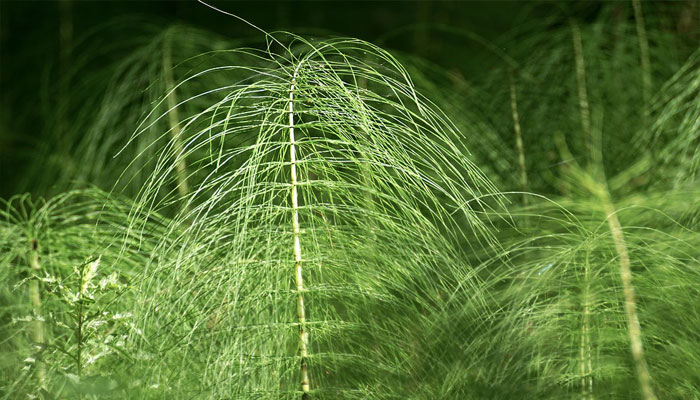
(37, 38)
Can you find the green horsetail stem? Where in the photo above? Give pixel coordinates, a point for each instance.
(518, 136)
(183, 186)
(599, 188)
(633, 327)
(584, 107)
(643, 50)
(301, 312)
(37, 328)
(586, 363)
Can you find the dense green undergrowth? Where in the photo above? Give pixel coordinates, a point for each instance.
(320, 219)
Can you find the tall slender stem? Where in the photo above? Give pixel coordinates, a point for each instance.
(183, 187)
(586, 366)
(37, 330)
(518, 136)
(79, 330)
(301, 312)
(602, 192)
(643, 50)
(633, 327)
(80, 338)
(65, 42)
(584, 107)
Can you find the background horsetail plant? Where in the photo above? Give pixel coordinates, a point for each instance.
(66, 254)
(562, 275)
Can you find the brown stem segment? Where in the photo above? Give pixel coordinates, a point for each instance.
(301, 312)
(37, 329)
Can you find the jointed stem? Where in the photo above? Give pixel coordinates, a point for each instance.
(599, 188)
(633, 326)
(586, 367)
(35, 298)
(174, 120)
(65, 40)
(301, 313)
(518, 137)
(79, 328)
(643, 50)
(584, 107)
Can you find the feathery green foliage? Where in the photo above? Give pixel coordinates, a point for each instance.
(328, 199)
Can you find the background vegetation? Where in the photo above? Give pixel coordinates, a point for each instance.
(340, 200)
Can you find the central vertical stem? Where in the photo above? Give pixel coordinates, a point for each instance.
(301, 313)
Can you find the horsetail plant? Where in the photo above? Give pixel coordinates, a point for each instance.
(297, 166)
